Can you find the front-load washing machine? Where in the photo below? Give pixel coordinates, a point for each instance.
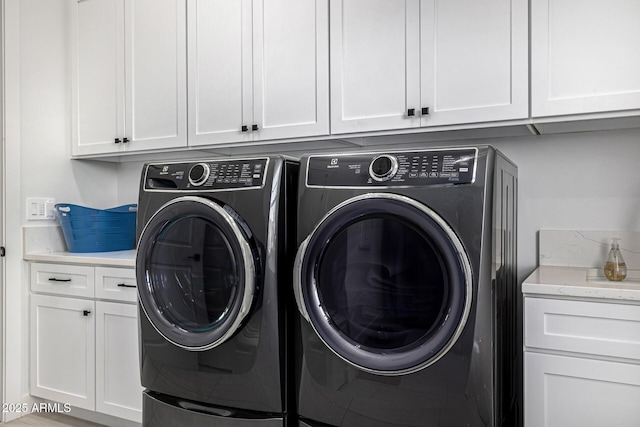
(405, 280)
(213, 267)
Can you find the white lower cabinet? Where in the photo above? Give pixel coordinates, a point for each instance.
(581, 363)
(574, 391)
(84, 350)
(63, 350)
(118, 390)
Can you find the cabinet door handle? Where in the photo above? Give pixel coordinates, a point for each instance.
(254, 127)
(53, 279)
(411, 112)
(117, 141)
(86, 312)
(125, 140)
(425, 111)
(244, 128)
(124, 285)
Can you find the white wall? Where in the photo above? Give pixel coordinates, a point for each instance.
(579, 181)
(37, 154)
(45, 122)
(129, 182)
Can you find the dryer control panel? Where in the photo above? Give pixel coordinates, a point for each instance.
(206, 175)
(402, 168)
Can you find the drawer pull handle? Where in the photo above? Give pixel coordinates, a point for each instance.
(124, 285)
(53, 279)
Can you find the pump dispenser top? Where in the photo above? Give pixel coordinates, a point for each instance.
(615, 268)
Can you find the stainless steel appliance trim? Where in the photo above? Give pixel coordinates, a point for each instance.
(392, 172)
(247, 258)
(461, 253)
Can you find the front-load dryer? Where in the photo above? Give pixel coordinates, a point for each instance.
(213, 268)
(405, 279)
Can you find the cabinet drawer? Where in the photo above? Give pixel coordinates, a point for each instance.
(63, 279)
(585, 327)
(116, 284)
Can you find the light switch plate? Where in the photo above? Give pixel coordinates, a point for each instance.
(40, 208)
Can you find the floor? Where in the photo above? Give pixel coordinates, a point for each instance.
(47, 419)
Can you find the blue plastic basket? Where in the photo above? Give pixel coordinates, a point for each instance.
(98, 230)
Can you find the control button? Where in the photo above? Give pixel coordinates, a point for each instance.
(383, 167)
(198, 174)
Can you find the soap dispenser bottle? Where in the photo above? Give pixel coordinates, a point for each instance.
(615, 268)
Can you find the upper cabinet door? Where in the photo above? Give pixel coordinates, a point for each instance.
(474, 61)
(128, 75)
(97, 68)
(290, 68)
(220, 71)
(375, 64)
(585, 56)
(257, 70)
(155, 64)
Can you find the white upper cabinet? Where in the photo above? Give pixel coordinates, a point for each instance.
(375, 64)
(128, 75)
(156, 72)
(220, 87)
(585, 56)
(257, 70)
(474, 61)
(401, 64)
(97, 41)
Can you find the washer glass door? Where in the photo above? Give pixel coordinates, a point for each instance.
(196, 272)
(385, 283)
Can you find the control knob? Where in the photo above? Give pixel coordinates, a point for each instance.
(383, 167)
(198, 174)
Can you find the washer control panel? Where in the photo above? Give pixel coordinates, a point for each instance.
(406, 168)
(206, 175)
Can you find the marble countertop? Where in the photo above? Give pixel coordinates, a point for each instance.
(581, 282)
(103, 259)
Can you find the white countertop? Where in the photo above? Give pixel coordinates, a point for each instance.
(103, 259)
(580, 282)
(46, 244)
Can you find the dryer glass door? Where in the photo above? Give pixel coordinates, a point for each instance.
(385, 283)
(196, 272)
